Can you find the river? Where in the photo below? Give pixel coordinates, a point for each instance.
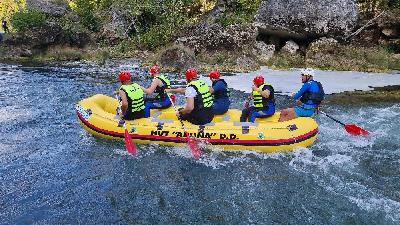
(53, 172)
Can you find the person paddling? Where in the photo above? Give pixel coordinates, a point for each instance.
(263, 96)
(199, 101)
(158, 85)
(220, 91)
(131, 97)
(311, 95)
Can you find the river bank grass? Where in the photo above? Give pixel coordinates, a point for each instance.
(347, 58)
(388, 94)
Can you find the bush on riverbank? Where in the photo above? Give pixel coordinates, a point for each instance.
(25, 20)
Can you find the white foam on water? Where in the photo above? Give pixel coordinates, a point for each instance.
(390, 207)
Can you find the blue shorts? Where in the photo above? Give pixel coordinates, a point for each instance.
(302, 112)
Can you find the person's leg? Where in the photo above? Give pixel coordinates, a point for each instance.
(245, 114)
(287, 114)
(262, 114)
(165, 103)
(219, 108)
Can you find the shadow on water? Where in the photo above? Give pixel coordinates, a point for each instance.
(53, 172)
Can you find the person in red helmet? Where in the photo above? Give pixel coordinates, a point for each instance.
(263, 100)
(220, 91)
(158, 85)
(131, 97)
(198, 108)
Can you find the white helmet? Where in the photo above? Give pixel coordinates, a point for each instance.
(308, 71)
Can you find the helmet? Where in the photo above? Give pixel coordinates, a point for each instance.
(258, 80)
(214, 74)
(154, 69)
(307, 71)
(191, 73)
(124, 76)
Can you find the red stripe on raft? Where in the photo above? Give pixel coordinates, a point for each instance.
(212, 141)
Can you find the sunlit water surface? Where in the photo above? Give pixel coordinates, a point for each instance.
(53, 172)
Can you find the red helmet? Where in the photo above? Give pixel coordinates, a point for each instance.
(154, 69)
(214, 74)
(124, 76)
(258, 80)
(191, 73)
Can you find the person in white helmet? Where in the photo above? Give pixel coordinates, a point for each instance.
(310, 95)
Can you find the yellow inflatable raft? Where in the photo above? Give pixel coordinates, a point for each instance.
(97, 114)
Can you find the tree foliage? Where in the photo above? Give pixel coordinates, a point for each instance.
(370, 8)
(9, 7)
(27, 19)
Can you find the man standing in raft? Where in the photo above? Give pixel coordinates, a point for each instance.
(220, 91)
(311, 95)
(263, 99)
(198, 109)
(158, 85)
(131, 96)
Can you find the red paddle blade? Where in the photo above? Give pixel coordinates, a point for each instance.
(355, 130)
(173, 98)
(130, 147)
(194, 147)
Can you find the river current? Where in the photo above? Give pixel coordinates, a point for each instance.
(54, 172)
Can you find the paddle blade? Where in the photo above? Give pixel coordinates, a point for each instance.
(130, 147)
(194, 147)
(355, 130)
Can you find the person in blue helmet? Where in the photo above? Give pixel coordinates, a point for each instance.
(263, 96)
(220, 91)
(310, 96)
(158, 85)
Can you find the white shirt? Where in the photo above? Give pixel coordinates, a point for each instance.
(190, 92)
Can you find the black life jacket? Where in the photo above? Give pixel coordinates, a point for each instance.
(315, 97)
(224, 93)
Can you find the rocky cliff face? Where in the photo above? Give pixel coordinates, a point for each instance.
(50, 7)
(302, 19)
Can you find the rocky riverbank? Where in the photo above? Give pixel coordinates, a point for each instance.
(278, 35)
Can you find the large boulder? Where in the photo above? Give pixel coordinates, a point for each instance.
(305, 19)
(203, 37)
(50, 7)
(49, 34)
(177, 58)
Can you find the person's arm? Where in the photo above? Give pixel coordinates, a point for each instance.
(176, 90)
(212, 90)
(265, 93)
(303, 89)
(188, 107)
(124, 102)
(152, 87)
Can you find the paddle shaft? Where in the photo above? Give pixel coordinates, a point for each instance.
(179, 118)
(336, 120)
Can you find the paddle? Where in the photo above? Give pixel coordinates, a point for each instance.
(350, 128)
(130, 147)
(192, 143)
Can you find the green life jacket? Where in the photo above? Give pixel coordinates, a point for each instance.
(203, 98)
(260, 101)
(135, 96)
(160, 91)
